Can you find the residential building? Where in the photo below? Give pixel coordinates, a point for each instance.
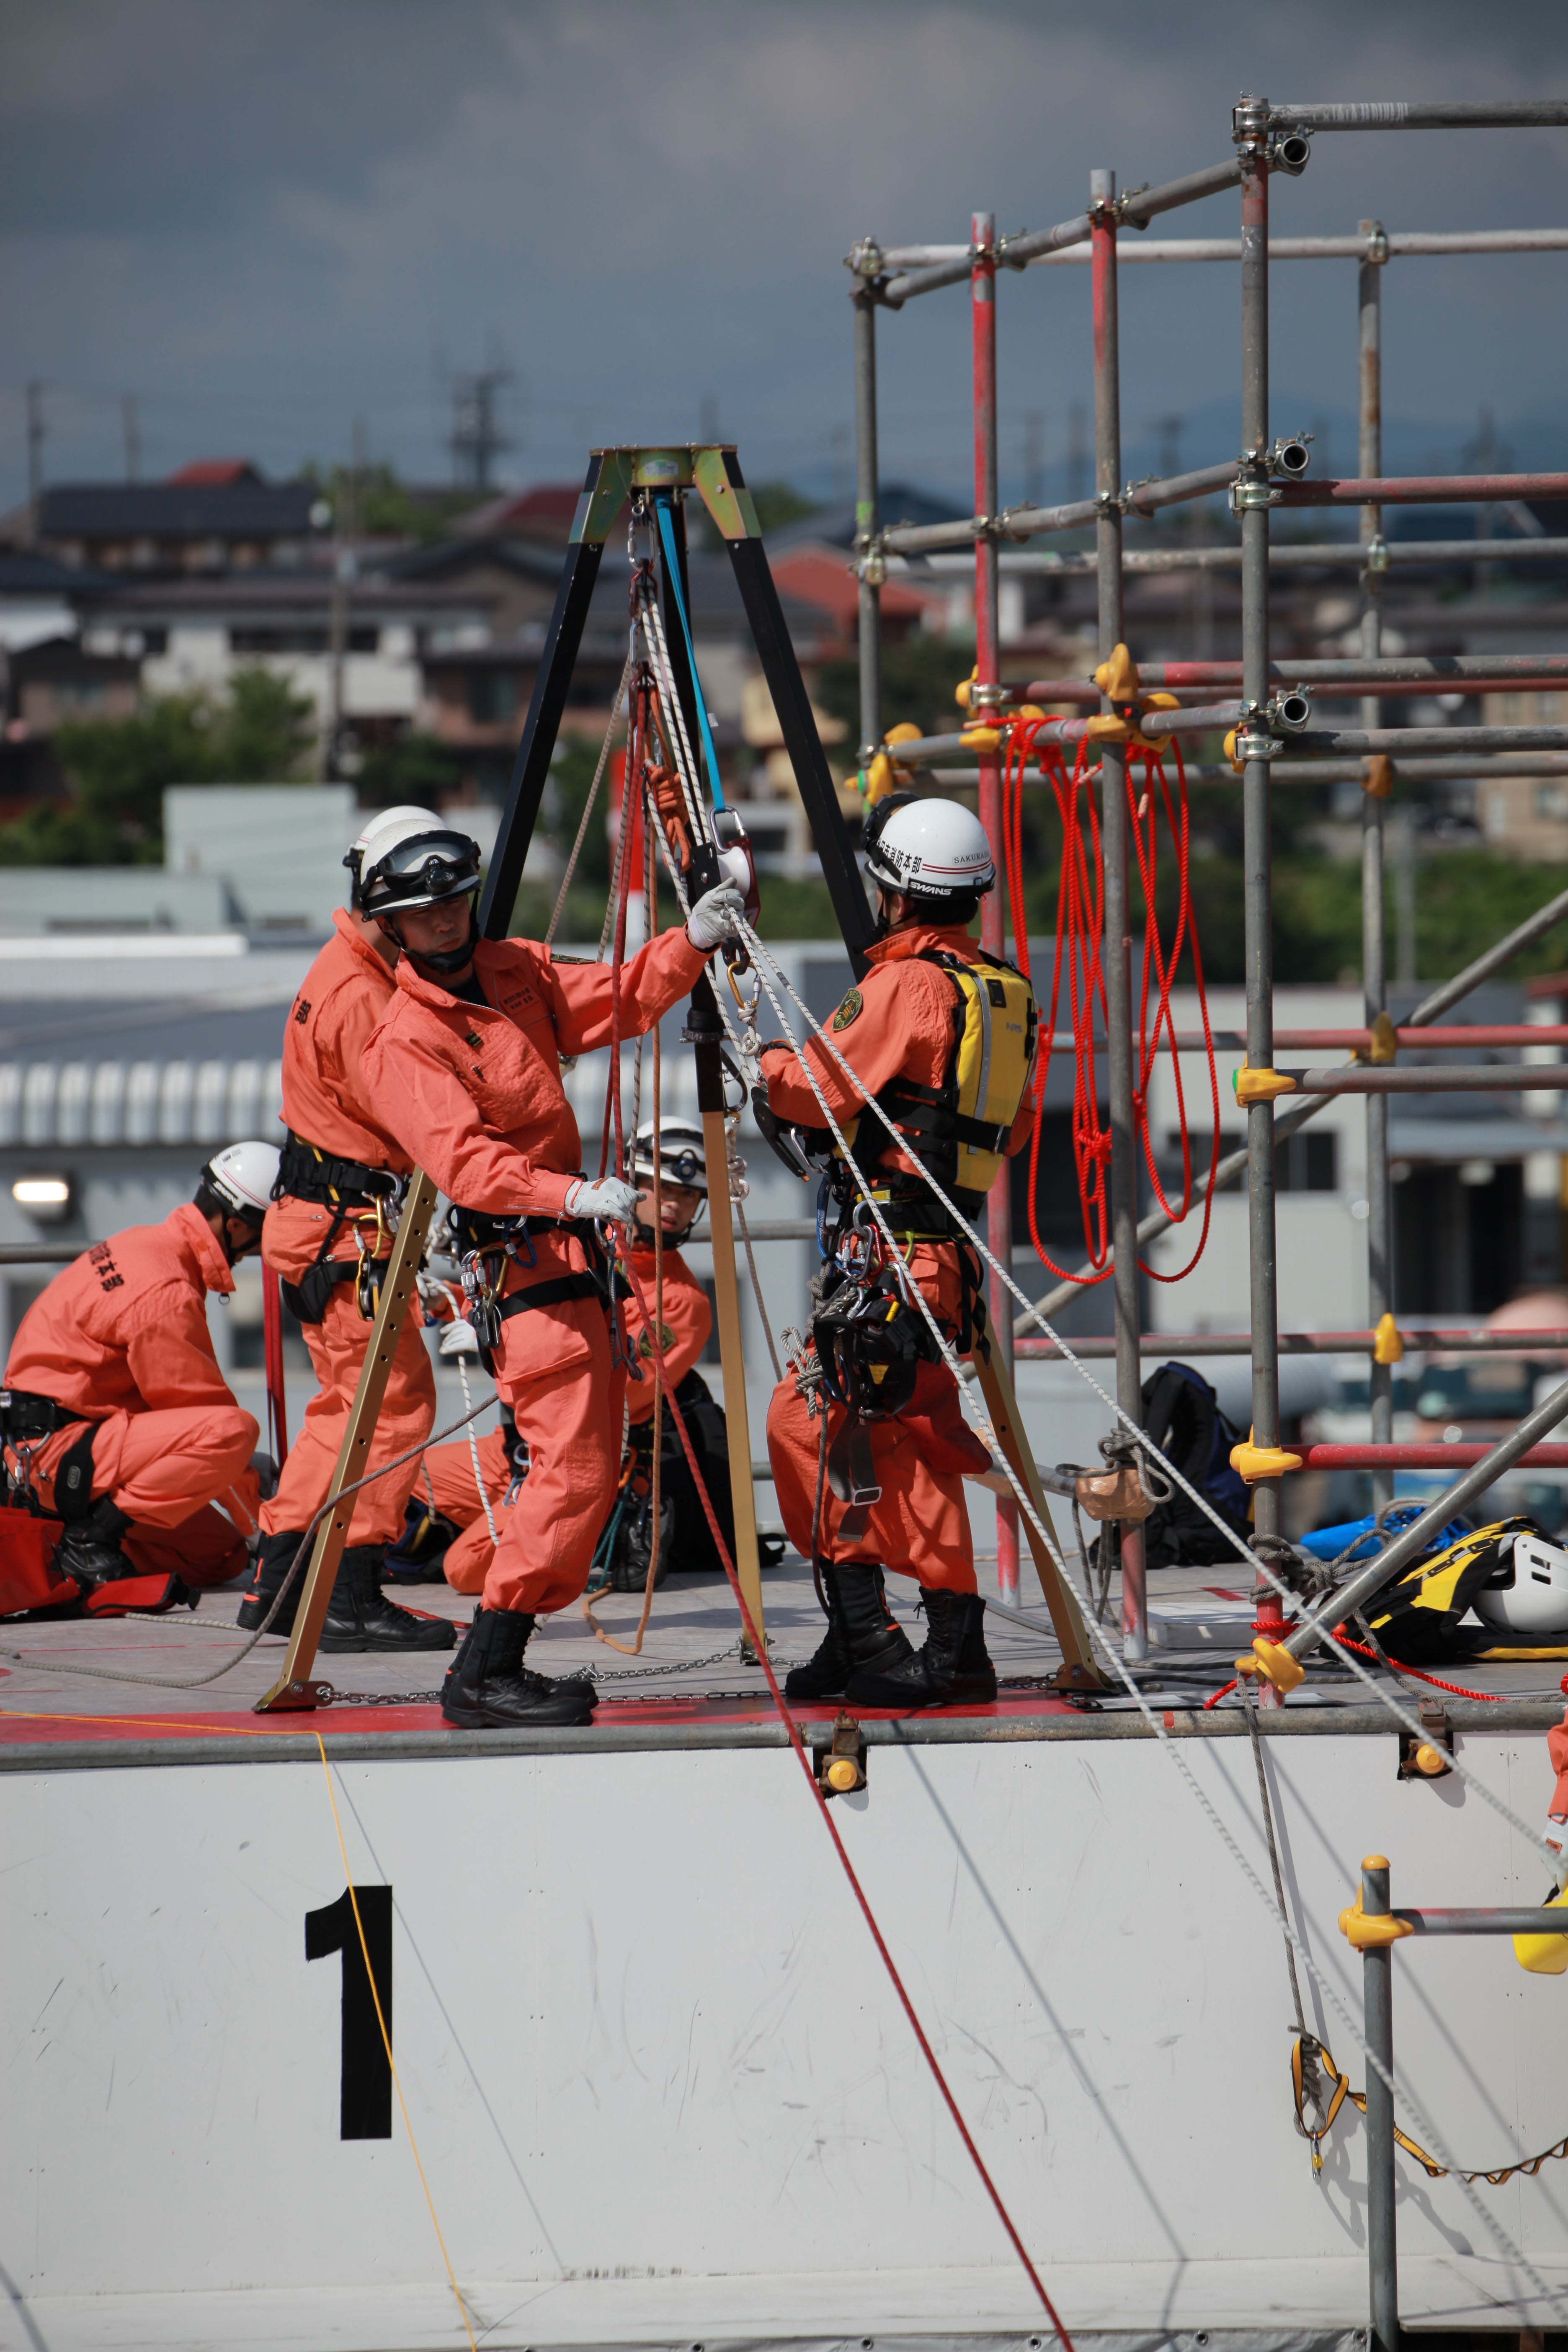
(218, 515)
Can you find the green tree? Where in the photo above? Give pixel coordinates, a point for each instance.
(118, 769)
(419, 768)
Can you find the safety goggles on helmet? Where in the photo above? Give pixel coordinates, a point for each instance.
(421, 871)
(932, 850)
(680, 1157)
(407, 819)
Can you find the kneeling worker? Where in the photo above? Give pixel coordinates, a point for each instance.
(452, 1482)
(942, 1035)
(115, 1412)
(465, 1069)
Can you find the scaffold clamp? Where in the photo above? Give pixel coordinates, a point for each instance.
(1251, 1086)
(1387, 1347)
(1272, 1663)
(1383, 1048)
(1252, 1461)
(1377, 776)
(1371, 1931)
(1117, 675)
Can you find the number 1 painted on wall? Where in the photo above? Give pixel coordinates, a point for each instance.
(365, 2101)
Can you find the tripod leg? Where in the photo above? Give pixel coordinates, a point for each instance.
(1079, 1671)
(294, 1687)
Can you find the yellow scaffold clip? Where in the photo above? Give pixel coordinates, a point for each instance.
(1377, 777)
(1387, 1347)
(1272, 1663)
(960, 692)
(883, 776)
(1260, 1086)
(1375, 1931)
(1383, 1048)
(1252, 1461)
(1117, 675)
(981, 739)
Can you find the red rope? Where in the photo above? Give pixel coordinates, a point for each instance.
(1080, 926)
(1457, 1690)
(795, 1741)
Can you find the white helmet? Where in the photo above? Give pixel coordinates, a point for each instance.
(243, 1174)
(932, 850)
(425, 818)
(1527, 1591)
(681, 1158)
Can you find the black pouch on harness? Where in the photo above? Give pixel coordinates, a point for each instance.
(307, 1299)
(73, 1480)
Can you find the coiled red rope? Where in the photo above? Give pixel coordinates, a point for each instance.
(1080, 930)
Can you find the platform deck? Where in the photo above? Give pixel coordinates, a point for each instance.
(689, 1685)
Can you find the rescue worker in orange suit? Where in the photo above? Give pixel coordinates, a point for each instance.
(114, 1411)
(914, 1033)
(465, 1067)
(452, 1536)
(327, 1237)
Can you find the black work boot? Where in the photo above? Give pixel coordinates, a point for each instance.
(361, 1617)
(89, 1548)
(862, 1633)
(953, 1669)
(273, 1560)
(489, 1687)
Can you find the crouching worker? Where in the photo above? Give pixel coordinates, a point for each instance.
(116, 1418)
(943, 1036)
(328, 1239)
(447, 1521)
(465, 1069)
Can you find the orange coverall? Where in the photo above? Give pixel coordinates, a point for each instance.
(899, 1023)
(688, 1319)
(344, 994)
(474, 1092)
(120, 1337)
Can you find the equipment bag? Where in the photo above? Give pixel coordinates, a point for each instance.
(28, 1577)
(1182, 1415)
(1418, 1619)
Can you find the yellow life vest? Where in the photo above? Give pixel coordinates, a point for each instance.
(959, 1131)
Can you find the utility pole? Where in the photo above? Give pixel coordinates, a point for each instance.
(34, 438)
(477, 438)
(131, 425)
(345, 525)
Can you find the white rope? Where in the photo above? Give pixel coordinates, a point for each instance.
(1113, 1656)
(474, 1455)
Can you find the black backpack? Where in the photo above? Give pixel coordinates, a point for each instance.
(1182, 1415)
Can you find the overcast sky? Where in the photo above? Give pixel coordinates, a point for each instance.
(265, 217)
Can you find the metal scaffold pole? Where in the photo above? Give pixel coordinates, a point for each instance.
(866, 519)
(1253, 497)
(1118, 948)
(988, 674)
(1379, 1190)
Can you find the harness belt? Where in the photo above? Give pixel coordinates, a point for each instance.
(307, 1173)
(551, 1294)
(25, 1418)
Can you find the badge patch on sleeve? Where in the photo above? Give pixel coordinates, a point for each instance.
(850, 1010)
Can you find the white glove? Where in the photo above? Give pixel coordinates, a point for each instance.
(609, 1198)
(459, 1339)
(1554, 1837)
(715, 917)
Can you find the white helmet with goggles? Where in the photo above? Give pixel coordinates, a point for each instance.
(935, 851)
(410, 863)
(681, 1155)
(425, 819)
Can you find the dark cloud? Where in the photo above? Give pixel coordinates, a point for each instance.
(268, 216)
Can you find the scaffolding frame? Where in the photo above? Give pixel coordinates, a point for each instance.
(1272, 742)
